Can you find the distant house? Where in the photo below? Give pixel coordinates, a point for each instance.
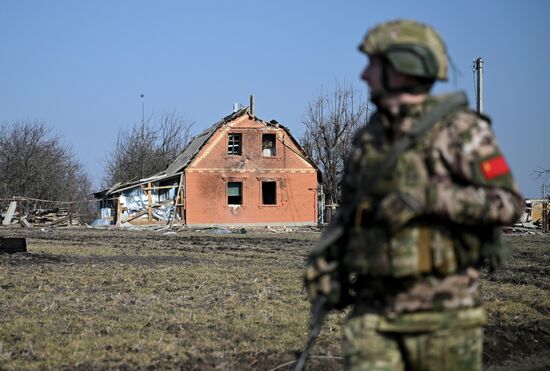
(240, 171)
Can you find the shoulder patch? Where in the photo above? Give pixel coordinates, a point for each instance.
(494, 167)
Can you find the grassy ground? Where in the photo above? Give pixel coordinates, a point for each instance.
(124, 300)
(91, 299)
(517, 298)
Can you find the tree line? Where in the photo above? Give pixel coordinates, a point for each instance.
(36, 163)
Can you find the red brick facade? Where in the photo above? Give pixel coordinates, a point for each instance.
(290, 200)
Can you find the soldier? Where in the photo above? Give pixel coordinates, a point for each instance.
(425, 191)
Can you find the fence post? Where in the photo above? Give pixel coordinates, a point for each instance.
(149, 203)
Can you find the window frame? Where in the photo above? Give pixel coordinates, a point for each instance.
(276, 198)
(274, 149)
(241, 195)
(230, 148)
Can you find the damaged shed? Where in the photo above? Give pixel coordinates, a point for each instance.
(153, 200)
(240, 171)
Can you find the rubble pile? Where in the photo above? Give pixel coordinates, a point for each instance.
(52, 217)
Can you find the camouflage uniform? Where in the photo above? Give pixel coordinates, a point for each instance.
(412, 244)
(421, 302)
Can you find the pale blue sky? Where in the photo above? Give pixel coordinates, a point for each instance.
(80, 66)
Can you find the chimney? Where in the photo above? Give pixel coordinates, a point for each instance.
(236, 107)
(252, 104)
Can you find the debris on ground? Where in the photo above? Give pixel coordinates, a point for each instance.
(281, 229)
(57, 217)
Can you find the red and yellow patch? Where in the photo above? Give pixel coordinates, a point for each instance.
(494, 167)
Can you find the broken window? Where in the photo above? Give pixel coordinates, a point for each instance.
(269, 193)
(234, 193)
(234, 143)
(268, 145)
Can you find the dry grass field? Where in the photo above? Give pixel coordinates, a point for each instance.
(196, 300)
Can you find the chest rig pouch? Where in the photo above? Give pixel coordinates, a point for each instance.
(421, 246)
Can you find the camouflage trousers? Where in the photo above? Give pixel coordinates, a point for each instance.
(447, 342)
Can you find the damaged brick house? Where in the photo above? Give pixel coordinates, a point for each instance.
(240, 171)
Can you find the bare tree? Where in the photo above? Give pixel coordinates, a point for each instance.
(542, 173)
(146, 148)
(331, 121)
(36, 164)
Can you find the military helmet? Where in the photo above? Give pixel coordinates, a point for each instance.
(412, 48)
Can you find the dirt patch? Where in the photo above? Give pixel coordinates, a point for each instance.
(26, 259)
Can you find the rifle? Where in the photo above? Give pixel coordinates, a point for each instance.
(318, 315)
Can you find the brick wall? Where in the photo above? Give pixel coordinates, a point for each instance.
(208, 174)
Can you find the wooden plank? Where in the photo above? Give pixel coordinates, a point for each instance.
(181, 200)
(163, 203)
(134, 216)
(118, 212)
(157, 187)
(176, 200)
(9, 214)
(149, 203)
(25, 223)
(143, 212)
(60, 220)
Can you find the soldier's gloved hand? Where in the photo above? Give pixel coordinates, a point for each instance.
(397, 209)
(319, 280)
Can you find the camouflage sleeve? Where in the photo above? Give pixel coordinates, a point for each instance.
(472, 183)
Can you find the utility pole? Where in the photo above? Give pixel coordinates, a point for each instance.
(142, 170)
(142, 115)
(478, 68)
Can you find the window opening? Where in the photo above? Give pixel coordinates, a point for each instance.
(234, 193)
(268, 145)
(269, 193)
(234, 144)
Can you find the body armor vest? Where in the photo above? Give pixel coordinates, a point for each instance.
(424, 244)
